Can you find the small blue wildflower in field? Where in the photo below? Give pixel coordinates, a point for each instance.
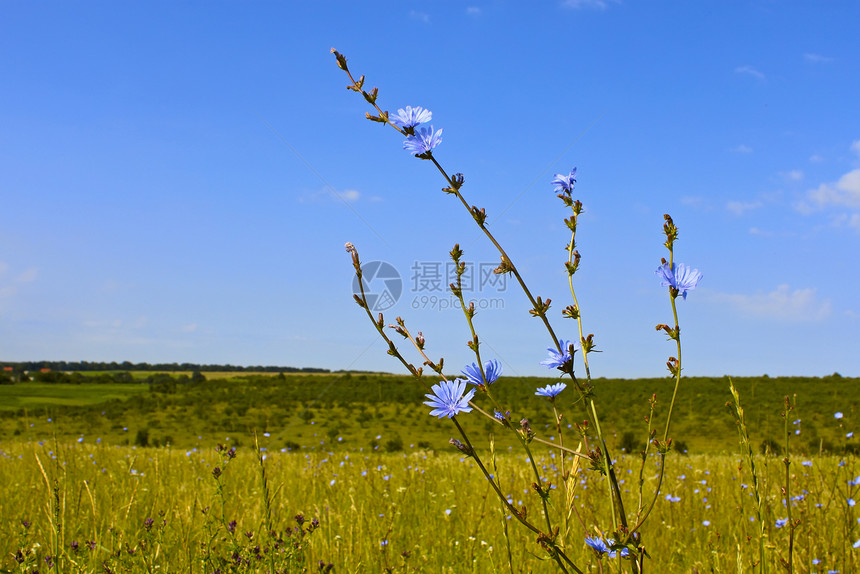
(410, 117)
(597, 544)
(551, 391)
(557, 359)
(564, 183)
(781, 522)
(679, 276)
(424, 140)
(837, 415)
(448, 398)
(492, 370)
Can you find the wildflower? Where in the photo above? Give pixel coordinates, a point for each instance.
(837, 415)
(857, 544)
(851, 502)
(564, 183)
(423, 141)
(557, 359)
(624, 551)
(849, 435)
(706, 522)
(597, 544)
(679, 277)
(551, 391)
(781, 522)
(492, 371)
(410, 117)
(448, 398)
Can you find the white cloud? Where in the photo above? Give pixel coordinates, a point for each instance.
(350, 195)
(742, 149)
(845, 191)
(815, 158)
(800, 305)
(190, 328)
(740, 207)
(816, 58)
(473, 11)
(749, 71)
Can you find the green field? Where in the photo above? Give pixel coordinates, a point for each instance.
(346, 411)
(112, 477)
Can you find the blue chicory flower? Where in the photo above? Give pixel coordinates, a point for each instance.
(410, 117)
(492, 370)
(564, 183)
(557, 359)
(781, 522)
(679, 276)
(837, 415)
(423, 141)
(448, 398)
(551, 391)
(597, 544)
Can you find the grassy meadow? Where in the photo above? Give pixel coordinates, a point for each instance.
(104, 477)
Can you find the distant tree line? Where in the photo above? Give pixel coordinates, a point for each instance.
(72, 366)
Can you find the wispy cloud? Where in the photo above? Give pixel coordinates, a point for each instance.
(347, 195)
(816, 58)
(782, 304)
(9, 287)
(593, 4)
(473, 11)
(793, 175)
(420, 16)
(741, 207)
(843, 192)
(749, 71)
(742, 148)
(696, 202)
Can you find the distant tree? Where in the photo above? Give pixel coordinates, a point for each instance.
(142, 438)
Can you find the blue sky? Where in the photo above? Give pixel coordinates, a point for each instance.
(178, 179)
